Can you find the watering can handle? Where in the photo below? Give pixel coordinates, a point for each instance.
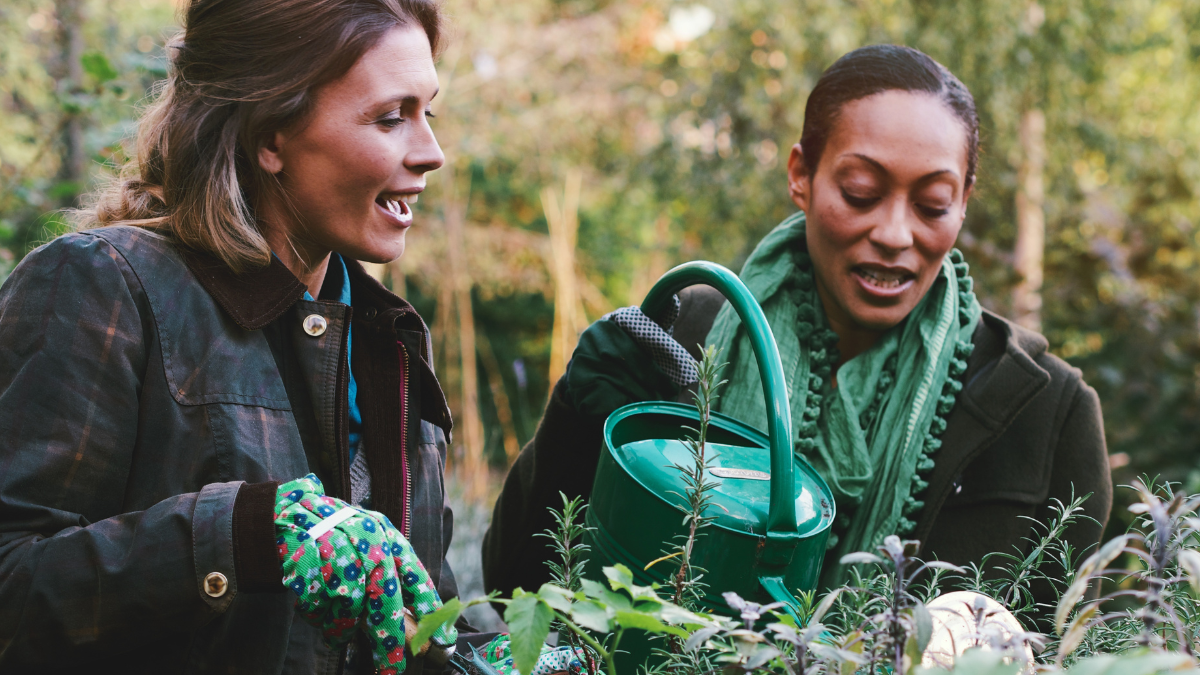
(781, 518)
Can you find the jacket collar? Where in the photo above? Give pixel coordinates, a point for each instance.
(257, 297)
(1003, 375)
(252, 299)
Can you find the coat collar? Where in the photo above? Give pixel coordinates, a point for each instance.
(257, 297)
(252, 299)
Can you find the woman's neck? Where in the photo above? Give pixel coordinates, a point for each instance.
(307, 262)
(297, 260)
(853, 338)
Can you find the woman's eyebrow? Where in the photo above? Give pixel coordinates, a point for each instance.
(406, 99)
(929, 176)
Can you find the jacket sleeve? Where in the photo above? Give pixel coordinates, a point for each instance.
(561, 457)
(80, 577)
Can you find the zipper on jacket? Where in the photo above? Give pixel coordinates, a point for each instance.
(406, 524)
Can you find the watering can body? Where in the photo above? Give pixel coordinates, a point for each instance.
(772, 512)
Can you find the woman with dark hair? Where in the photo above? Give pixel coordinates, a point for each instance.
(224, 441)
(928, 416)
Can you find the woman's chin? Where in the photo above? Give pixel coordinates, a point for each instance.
(379, 252)
(880, 319)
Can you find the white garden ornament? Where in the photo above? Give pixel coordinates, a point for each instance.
(966, 619)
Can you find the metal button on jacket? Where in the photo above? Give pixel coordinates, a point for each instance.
(215, 584)
(315, 325)
(370, 313)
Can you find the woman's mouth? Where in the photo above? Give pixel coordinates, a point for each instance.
(884, 282)
(398, 209)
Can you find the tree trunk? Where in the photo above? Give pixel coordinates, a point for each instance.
(1031, 221)
(564, 224)
(74, 157)
(474, 466)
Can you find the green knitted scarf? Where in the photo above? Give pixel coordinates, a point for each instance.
(872, 437)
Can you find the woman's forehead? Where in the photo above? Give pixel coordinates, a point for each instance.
(901, 132)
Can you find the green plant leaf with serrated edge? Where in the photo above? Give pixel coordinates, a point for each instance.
(674, 614)
(619, 577)
(447, 614)
(592, 615)
(618, 601)
(98, 66)
(647, 623)
(528, 618)
(557, 597)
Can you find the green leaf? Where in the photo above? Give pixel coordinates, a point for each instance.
(648, 623)
(97, 65)
(557, 597)
(1189, 560)
(1075, 632)
(619, 577)
(592, 615)
(861, 558)
(593, 589)
(674, 614)
(447, 614)
(912, 653)
(1093, 565)
(823, 607)
(924, 625)
(618, 601)
(528, 619)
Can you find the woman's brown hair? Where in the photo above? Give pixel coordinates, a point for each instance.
(240, 70)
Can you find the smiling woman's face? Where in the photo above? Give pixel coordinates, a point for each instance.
(352, 170)
(883, 208)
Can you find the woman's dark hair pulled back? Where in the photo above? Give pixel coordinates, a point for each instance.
(875, 69)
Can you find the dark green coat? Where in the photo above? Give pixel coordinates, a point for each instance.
(1026, 431)
(149, 403)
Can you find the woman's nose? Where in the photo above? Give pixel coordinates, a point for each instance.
(425, 154)
(894, 231)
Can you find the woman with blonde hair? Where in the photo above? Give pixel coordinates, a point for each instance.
(223, 441)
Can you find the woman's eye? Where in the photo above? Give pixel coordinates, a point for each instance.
(858, 202)
(390, 122)
(429, 114)
(932, 211)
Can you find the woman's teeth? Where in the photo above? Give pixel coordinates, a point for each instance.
(882, 279)
(400, 207)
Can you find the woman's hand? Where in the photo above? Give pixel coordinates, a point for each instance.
(627, 357)
(351, 569)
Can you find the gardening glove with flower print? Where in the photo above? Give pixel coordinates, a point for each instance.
(352, 570)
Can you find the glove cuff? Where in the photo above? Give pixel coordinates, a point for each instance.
(255, 557)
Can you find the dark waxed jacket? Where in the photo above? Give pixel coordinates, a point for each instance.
(1026, 430)
(150, 402)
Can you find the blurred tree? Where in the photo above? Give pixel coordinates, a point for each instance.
(678, 116)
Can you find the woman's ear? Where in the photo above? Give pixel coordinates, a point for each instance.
(967, 196)
(799, 185)
(270, 157)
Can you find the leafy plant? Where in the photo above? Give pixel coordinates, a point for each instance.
(1163, 615)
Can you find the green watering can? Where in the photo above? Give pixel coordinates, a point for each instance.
(772, 511)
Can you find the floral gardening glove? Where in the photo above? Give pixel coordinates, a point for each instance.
(498, 654)
(351, 569)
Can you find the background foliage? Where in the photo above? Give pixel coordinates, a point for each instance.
(680, 117)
